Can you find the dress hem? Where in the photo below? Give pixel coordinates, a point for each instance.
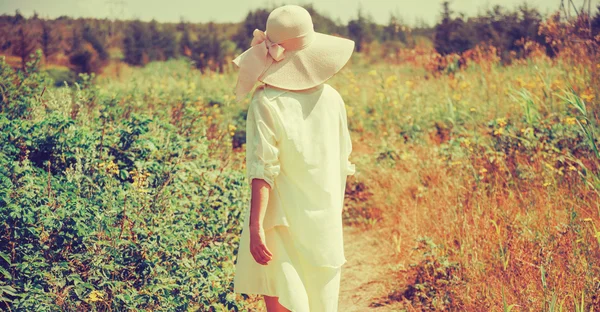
(281, 298)
(264, 294)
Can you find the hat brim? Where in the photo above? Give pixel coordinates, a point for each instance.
(311, 66)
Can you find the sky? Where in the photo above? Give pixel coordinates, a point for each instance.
(235, 10)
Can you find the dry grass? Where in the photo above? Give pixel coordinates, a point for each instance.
(515, 225)
(505, 239)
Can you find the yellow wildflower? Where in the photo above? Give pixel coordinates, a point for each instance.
(372, 73)
(570, 120)
(556, 84)
(95, 296)
(112, 168)
(501, 122)
(588, 95)
(140, 180)
(520, 82)
(109, 167)
(389, 81)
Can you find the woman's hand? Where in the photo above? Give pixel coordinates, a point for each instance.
(258, 248)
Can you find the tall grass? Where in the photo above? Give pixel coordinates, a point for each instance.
(502, 171)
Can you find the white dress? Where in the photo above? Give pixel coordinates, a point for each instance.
(299, 143)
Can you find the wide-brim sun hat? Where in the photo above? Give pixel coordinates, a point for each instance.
(290, 54)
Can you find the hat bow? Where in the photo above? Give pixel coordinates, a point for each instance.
(274, 49)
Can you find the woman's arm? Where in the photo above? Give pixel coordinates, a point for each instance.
(262, 165)
(258, 207)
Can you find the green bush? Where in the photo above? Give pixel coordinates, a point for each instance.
(20, 90)
(106, 208)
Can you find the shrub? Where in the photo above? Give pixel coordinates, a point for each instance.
(21, 89)
(107, 209)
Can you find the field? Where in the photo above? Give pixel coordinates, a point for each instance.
(477, 188)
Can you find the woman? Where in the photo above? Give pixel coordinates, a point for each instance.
(297, 148)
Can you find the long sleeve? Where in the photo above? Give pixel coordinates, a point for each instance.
(262, 153)
(347, 141)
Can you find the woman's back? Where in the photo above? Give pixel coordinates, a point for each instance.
(311, 144)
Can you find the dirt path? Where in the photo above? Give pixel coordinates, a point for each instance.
(366, 276)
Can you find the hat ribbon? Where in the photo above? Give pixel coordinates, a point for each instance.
(275, 50)
(262, 53)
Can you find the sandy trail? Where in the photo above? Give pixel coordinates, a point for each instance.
(366, 276)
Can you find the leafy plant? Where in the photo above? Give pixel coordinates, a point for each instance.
(436, 280)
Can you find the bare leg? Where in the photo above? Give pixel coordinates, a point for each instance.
(273, 305)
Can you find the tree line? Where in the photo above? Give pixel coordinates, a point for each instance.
(86, 45)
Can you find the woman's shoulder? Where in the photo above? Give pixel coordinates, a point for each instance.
(258, 93)
(333, 93)
(331, 89)
(262, 100)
